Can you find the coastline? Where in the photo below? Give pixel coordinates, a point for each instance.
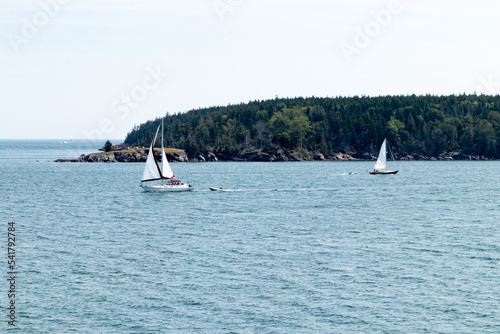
(139, 154)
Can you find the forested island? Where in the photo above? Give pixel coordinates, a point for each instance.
(463, 127)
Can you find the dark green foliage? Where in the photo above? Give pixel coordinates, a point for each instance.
(428, 125)
(108, 147)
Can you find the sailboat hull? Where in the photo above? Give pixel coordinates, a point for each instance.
(384, 172)
(167, 188)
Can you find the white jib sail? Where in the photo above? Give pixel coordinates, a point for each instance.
(166, 170)
(165, 167)
(151, 171)
(382, 158)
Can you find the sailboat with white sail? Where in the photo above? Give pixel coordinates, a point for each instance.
(381, 165)
(161, 179)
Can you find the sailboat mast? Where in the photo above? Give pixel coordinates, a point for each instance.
(162, 136)
(162, 151)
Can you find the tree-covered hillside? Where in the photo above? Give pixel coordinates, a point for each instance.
(427, 125)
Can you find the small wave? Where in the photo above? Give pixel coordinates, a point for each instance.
(275, 189)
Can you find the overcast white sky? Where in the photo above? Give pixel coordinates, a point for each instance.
(84, 69)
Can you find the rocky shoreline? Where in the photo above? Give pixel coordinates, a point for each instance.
(139, 154)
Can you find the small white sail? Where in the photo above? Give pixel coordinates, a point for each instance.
(165, 167)
(166, 170)
(382, 158)
(152, 170)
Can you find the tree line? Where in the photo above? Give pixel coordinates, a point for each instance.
(429, 125)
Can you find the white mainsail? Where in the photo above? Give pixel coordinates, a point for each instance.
(382, 158)
(166, 170)
(152, 170)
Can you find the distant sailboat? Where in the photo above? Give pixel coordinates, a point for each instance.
(381, 165)
(153, 172)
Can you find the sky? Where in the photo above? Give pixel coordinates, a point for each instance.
(94, 69)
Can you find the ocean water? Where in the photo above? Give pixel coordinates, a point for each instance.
(297, 247)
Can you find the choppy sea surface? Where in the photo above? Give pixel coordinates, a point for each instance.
(306, 247)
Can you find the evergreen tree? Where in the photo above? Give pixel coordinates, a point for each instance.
(108, 147)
